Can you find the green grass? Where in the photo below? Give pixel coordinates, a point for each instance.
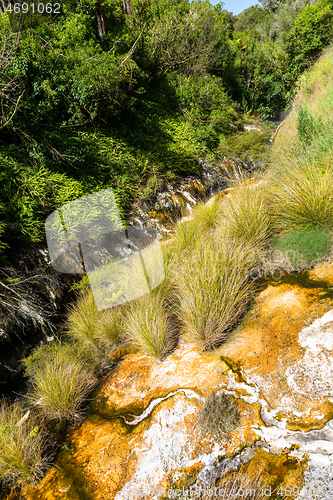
(186, 234)
(213, 289)
(303, 249)
(61, 380)
(248, 144)
(245, 215)
(97, 333)
(22, 446)
(219, 416)
(305, 136)
(301, 197)
(205, 215)
(308, 127)
(150, 325)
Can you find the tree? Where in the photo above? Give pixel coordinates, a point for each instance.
(312, 30)
(183, 36)
(271, 4)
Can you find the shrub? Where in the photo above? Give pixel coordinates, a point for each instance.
(22, 445)
(96, 332)
(60, 381)
(301, 198)
(311, 31)
(206, 106)
(150, 325)
(213, 289)
(219, 415)
(245, 215)
(303, 249)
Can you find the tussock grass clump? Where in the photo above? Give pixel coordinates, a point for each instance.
(186, 234)
(213, 288)
(245, 215)
(96, 332)
(150, 325)
(219, 415)
(60, 380)
(301, 198)
(238, 485)
(22, 447)
(205, 214)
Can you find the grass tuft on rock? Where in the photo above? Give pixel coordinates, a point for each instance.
(245, 215)
(97, 333)
(205, 214)
(150, 325)
(22, 446)
(213, 289)
(219, 416)
(61, 380)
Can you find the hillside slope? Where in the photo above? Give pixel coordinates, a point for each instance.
(249, 279)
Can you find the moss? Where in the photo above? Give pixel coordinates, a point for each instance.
(72, 475)
(301, 246)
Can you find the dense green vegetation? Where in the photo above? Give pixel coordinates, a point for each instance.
(105, 96)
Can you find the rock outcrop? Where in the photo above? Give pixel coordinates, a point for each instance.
(141, 437)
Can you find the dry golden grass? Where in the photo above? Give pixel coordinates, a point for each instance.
(245, 215)
(96, 332)
(213, 288)
(151, 326)
(60, 381)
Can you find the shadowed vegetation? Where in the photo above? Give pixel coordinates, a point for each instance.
(22, 446)
(61, 379)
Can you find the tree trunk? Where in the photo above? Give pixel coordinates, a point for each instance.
(129, 7)
(100, 26)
